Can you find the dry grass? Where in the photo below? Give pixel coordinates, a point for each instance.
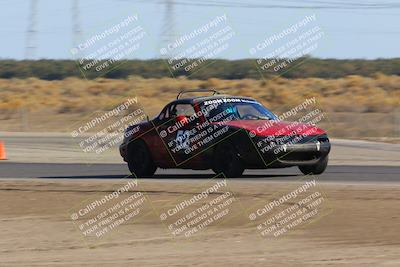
(48, 102)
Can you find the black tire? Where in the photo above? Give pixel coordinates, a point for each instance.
(139, 161)
(315, 169)
(227, 161)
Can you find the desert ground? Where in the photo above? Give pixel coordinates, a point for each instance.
(360, 229)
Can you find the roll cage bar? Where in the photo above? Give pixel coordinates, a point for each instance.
(215, 92)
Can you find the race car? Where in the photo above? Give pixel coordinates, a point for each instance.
(227, 134)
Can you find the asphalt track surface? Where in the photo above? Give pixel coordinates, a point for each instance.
(118, 171)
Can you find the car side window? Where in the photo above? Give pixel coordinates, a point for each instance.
(182, 109)
(170, 111)
(164, 113)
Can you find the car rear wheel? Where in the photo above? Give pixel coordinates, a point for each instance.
(227, 161)
(139, 161)
(315, 169)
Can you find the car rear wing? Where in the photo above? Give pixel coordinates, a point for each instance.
(215, 92)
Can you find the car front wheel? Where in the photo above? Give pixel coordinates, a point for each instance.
(227, 161)
(315, 169)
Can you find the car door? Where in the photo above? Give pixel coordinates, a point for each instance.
(161, 155)
(177, 131)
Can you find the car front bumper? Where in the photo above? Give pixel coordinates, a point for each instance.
(307, 151)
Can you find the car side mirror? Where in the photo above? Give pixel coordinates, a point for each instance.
(181, 119)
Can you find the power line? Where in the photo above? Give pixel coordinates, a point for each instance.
(307, 5)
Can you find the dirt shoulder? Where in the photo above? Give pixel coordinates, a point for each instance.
(360, 229)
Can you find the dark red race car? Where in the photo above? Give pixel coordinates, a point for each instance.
(227, 134)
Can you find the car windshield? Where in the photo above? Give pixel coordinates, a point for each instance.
(237, 109)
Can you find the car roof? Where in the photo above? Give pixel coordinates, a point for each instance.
(201, 99)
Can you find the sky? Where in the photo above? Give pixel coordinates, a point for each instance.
(351, 29)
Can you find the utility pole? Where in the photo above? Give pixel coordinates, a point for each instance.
(76, 24)
(30, 48)
(168, 34)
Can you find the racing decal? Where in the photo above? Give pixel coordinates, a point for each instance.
(183, 139)
(229, 100)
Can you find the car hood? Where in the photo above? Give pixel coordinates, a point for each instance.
(277, 128)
